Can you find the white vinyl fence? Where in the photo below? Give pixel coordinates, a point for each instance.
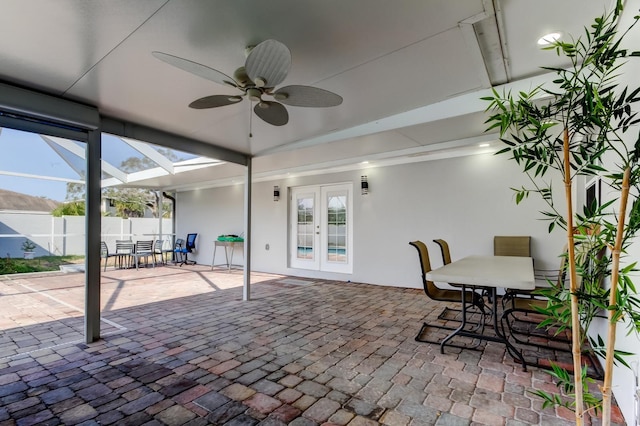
(65, 235)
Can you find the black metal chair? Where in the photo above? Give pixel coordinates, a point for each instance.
(184, 247)
(523, 314)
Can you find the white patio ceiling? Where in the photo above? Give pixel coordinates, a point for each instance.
(411, 72)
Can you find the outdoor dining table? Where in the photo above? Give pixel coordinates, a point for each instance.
(490, 273)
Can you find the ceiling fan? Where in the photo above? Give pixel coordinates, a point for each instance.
(266, 66)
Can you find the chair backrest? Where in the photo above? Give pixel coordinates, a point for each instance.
(179, 243)
(512, 245)
(157, 246)
(425, 267)
(430, 289)
(124, 246)
(144, 246)
(444, 248)
(104, 250)
(191, 242)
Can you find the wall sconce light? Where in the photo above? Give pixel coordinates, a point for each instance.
(364, 185)
(276, 193)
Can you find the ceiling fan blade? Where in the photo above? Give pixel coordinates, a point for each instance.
(196, 68)
(307, 96)
(272, 112)
(214, 101)
(269, 62)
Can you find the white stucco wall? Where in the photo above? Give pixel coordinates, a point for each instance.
(210, 213)
(464, 200)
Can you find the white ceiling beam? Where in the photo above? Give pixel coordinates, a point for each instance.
(146, 150)
(58, 150)
(460, 105)
(43, 177)
(470, 39)
(79, 151)
(180, 167)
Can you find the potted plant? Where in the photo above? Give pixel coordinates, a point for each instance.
(28, 248)
(578, 127)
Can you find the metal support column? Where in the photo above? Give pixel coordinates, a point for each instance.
(92, 229)
(159, 202)
(246, 292)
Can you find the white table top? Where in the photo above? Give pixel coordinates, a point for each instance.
(488, 271)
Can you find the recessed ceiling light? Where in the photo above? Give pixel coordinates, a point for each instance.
(547, 39)
(364, 162)
(484, 145)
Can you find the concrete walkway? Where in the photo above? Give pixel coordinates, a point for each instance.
(180, 347)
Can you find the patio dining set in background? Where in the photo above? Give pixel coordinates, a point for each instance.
(129, 254)
(515, 321)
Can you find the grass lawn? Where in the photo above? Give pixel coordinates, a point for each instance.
(39, 264)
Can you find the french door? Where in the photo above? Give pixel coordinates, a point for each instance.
(321, 231)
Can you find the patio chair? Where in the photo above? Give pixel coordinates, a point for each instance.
(524, 307)
(143, 249)
(184, 247)
(512, 245)
(104, 254)
(446, 259)
(435, 293)
(124, 250)
(159, 250)
(522, 314)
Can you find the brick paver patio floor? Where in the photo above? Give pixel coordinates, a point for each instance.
(180, 347)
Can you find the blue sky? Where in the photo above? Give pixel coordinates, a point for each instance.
(28, 153)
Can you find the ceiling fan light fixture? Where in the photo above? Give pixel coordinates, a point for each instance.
(235, 98)
(280, 96)
(240, 75)
(260, 82)
(263, 105)
(254, 94)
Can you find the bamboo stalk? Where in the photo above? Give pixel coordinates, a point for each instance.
(613, 294)
(576, 347)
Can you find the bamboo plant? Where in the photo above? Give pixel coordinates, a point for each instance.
(579, 127)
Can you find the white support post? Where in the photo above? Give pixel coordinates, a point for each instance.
(246, 293)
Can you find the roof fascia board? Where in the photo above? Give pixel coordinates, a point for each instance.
(47, 107)
(158, 137)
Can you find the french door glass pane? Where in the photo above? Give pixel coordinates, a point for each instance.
(337, 228)
(305, 249)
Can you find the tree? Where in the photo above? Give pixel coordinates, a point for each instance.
(580, 131)
(129, 202)
(73, 208)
